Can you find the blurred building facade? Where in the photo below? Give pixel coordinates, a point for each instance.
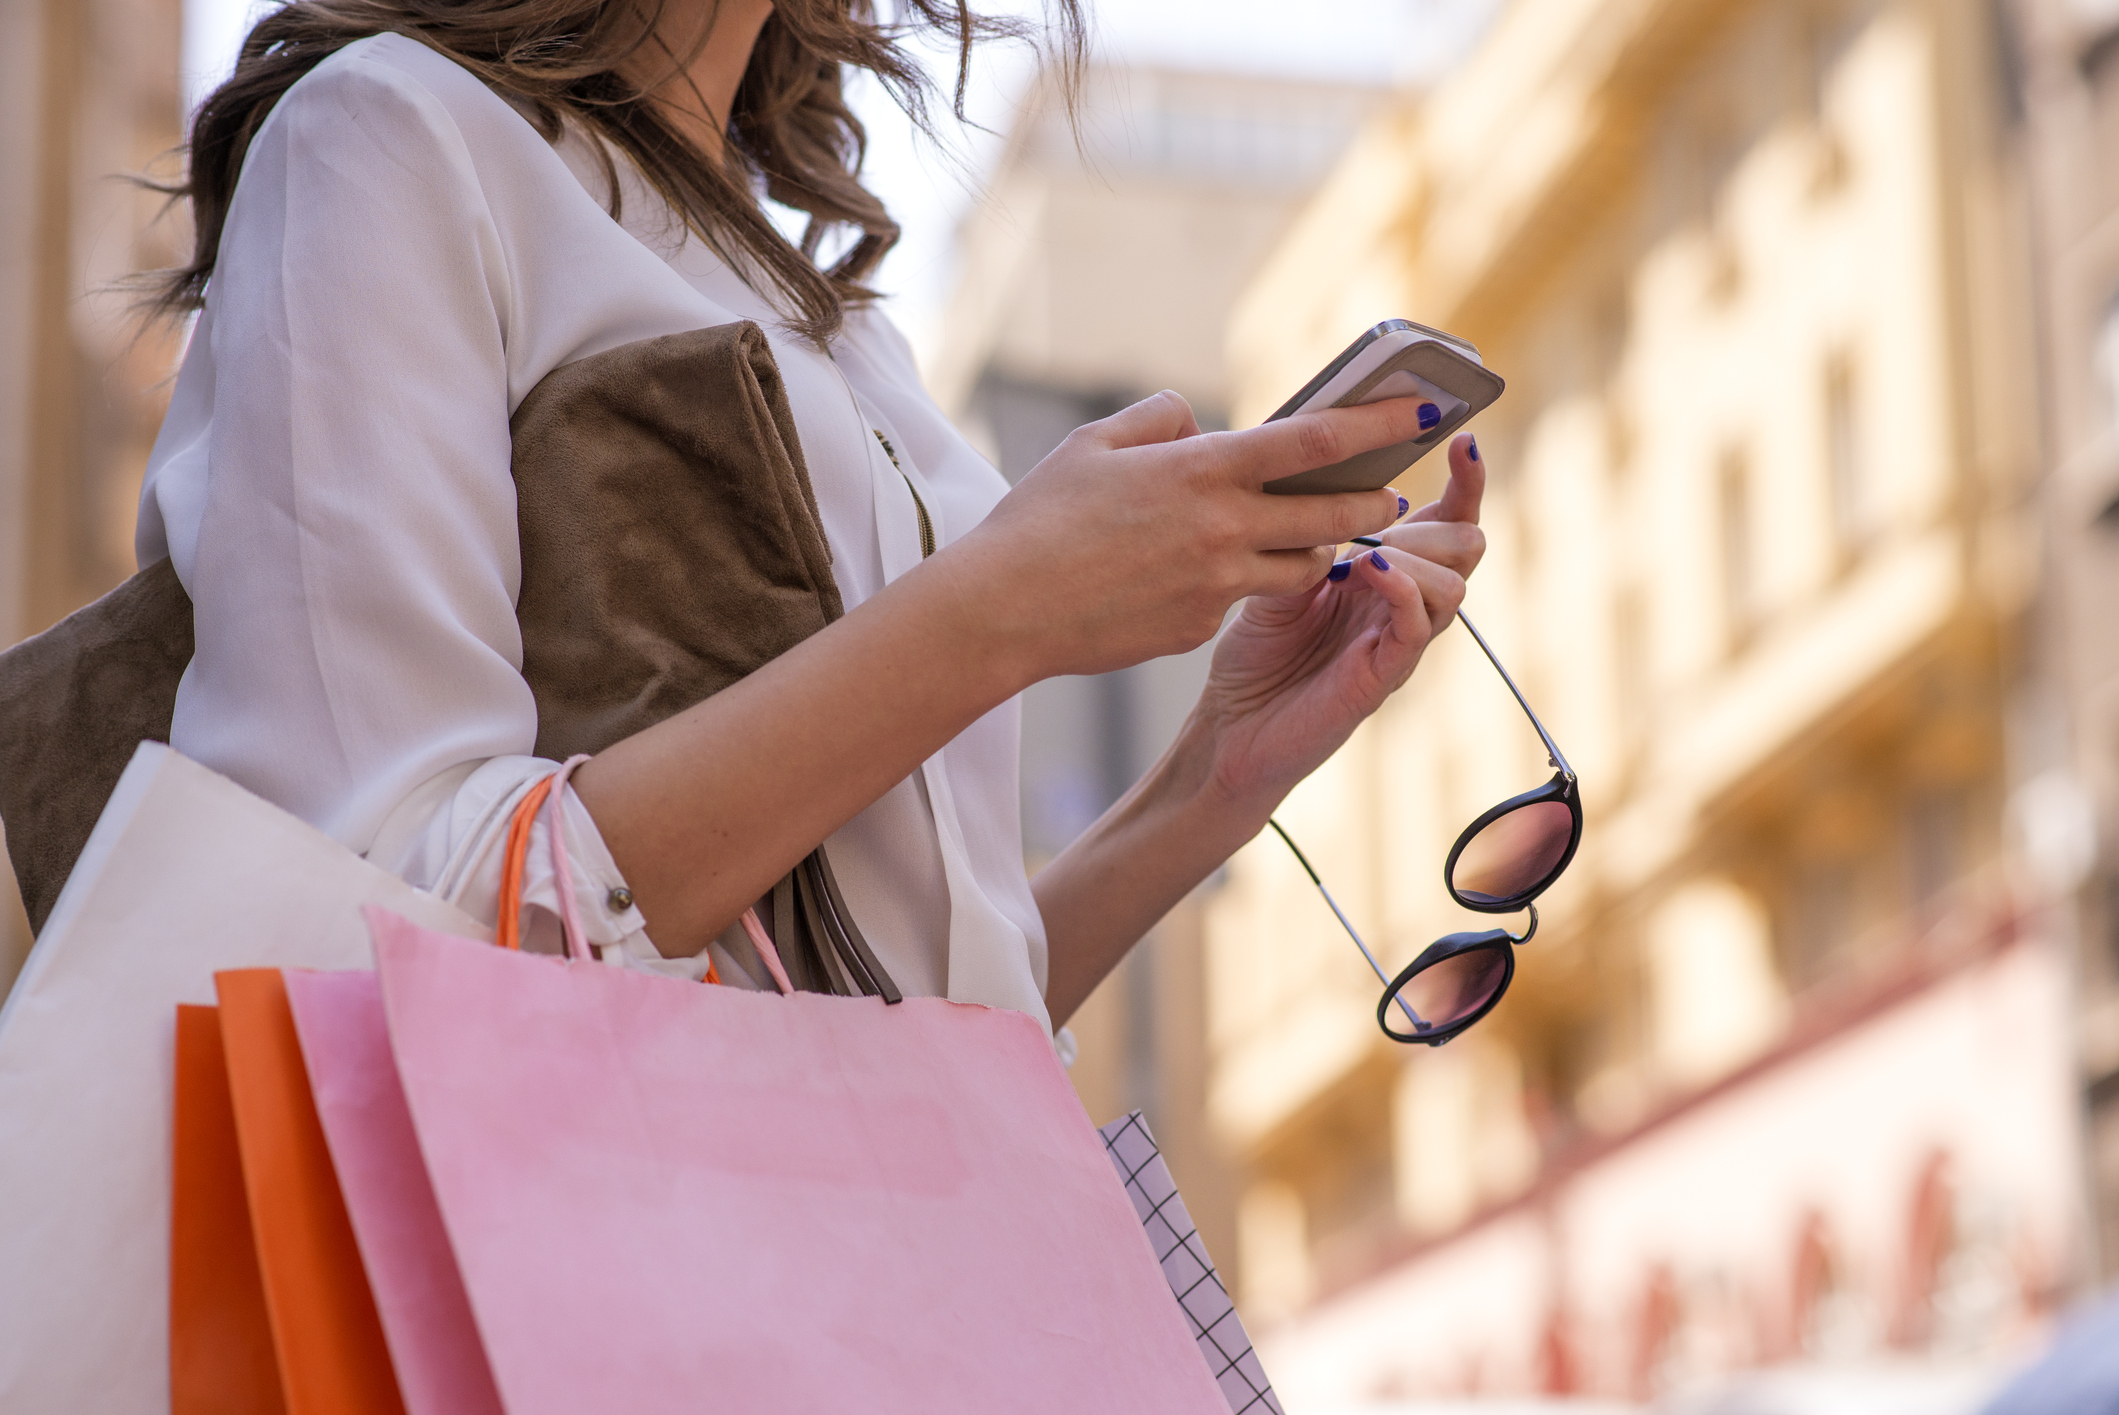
(1093, 275)
(2068, 105)
(1790, 1075)
(89, 93)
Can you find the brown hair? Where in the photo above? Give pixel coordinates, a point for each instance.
(789, 129)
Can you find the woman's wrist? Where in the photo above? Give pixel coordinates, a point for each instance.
(948, 637)
(1002, 650)
(1194, 809)
(1206, 767)
(1174, 828)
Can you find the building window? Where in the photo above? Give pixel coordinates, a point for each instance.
(1830, 30)
(1844, 478)
(1618, 441)
(1934, 836)
(1820, 921)
(1739, 571)
(1272, 1238)
(1833, 1321)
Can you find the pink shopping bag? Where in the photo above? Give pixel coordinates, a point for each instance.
(434, 1345)
(667, 1197)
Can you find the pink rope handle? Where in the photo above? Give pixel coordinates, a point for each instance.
(563, 882)
(760, 941)
(563, 874)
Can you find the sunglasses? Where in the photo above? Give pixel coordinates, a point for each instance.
(1500, 864)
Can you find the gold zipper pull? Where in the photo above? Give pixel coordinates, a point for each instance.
(926, 524)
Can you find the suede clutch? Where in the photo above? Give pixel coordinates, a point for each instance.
(671, 544)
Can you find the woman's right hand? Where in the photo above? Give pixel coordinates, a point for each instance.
(1135, 536)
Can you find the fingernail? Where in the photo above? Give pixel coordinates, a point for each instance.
(1376, 559)
(1340, 571)
(1429, 415)
(1475, 449)
(1403, 505)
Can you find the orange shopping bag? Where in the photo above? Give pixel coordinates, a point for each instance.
(220, 1340)
(332, 1356)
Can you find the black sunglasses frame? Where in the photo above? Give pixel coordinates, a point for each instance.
(1563, 788)
(1441, 951)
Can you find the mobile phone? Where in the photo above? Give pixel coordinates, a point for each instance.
(1396, 359)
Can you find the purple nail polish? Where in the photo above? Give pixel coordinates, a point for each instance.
(1376, 559)
(1339, 571)
(1429, 416)
(1475, 449)
(1403, 505)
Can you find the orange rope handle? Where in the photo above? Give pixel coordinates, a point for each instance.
(508, 931)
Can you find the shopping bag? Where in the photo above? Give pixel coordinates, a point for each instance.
(1194, 1282)
(661, 1196)
(220, 1339)
(185, 874)
(332, 1356)
(434, 1342)
(434, 1345)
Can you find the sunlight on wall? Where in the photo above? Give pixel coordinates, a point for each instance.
(1716, 998)
(1273, 1233)
(1459, 1134)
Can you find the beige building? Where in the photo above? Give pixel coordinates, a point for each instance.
(1788, 1075)
(2070, 142)
(88, 93)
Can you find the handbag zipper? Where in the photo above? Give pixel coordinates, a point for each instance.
(926, 525)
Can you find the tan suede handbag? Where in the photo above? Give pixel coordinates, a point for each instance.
(670, 545)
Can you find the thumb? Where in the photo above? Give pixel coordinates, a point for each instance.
(1466, 489)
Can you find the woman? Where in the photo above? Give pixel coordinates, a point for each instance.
(440, 201)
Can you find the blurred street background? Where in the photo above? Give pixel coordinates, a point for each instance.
(1804, 529)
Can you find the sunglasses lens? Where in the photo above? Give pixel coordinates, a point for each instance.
(1457, 987)
(1514, 854)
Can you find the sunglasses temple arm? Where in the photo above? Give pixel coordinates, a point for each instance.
(1352, 933)
(1559, 758)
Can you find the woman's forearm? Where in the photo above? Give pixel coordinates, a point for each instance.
(704, 811)
(1106, 890)
(1129, 541)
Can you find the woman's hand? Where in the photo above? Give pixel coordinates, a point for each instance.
(1292, 678)
(1136, 535)
(1295, 674)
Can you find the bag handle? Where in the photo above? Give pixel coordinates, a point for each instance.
(762, 941)
(508, 931)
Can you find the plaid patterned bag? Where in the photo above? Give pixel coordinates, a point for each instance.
(1187, 1268)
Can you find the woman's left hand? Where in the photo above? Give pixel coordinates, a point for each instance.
(1294, 675)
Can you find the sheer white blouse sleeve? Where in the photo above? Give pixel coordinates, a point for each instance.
(404, 259)
(333, 485)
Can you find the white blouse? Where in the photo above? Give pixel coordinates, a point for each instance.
(404, 259)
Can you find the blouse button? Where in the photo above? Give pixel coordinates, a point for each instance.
(620, 900)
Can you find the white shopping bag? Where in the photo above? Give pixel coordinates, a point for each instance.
(186, 873)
